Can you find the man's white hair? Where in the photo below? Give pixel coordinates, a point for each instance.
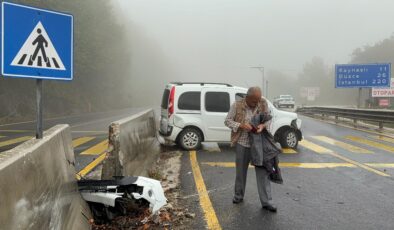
(253, 90)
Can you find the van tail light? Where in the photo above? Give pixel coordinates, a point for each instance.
(171, 102)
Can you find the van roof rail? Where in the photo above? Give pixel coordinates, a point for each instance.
(201, 83)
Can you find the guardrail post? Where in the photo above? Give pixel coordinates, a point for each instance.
(355, 122)
(336, 119)
(380, 126)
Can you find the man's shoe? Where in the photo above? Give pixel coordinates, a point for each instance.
(237, 201)
(270, 208)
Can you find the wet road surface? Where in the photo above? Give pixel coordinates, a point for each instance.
(338, 178)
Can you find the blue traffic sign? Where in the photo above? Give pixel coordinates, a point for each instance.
(36, 43)
(362, 75)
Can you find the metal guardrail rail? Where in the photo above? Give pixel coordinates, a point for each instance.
(379, 116)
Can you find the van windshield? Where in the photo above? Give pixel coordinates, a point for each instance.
(164, 100)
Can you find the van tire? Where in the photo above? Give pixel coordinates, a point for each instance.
(288, 139)
(190, 139)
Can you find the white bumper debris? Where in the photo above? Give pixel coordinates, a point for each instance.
(152, 192)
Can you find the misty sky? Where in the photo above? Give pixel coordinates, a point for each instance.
(221, 39)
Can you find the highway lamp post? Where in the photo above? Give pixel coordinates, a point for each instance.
(261, 69)
(266, 89)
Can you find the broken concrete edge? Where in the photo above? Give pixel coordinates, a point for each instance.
(132, 146)
(38, 186)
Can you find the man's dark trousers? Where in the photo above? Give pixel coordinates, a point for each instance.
(242, 161)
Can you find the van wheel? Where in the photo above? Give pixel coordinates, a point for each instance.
(289, 139)
(190, 139)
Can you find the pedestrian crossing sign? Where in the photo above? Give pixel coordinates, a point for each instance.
(36, 43)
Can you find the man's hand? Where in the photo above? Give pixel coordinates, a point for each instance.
(246, 127)
(260, 128)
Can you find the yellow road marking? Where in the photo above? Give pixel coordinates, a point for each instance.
(95, 132)
(289, 151)
(287, 165)
(384, 138)
(381, 165)
(15, 140)
(366, 167)
(16, 131)
(314, 147)
(341, 144)
(97, 149)
(205, 202)
(305, 165)
(90, 166)
(371, 143)
(82, 140)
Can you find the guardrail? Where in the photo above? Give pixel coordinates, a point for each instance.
(371, 115)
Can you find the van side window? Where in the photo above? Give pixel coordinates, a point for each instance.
(190, 101)
(239, 96)
(217, 102)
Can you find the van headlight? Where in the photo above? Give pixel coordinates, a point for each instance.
(299, 122)
(296, 123)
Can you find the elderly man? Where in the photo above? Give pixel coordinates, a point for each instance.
(238, 120)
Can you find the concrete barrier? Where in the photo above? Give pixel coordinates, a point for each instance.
(132, 146)
(38, 188)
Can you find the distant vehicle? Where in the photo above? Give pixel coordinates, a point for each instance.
(192, 113)
(284, 101)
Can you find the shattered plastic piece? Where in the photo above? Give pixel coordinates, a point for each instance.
(152, 192)
(101, 197)
(111, 198)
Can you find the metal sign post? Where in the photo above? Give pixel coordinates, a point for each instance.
(261, 69)
(359, 98)
(39, 108)
(40, 49)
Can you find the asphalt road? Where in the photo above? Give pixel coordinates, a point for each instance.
(89, 133)
(338, 178)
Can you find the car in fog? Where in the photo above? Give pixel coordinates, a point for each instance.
(284, 101)
(192, 113)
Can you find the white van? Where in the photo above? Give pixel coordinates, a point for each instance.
(192, 113)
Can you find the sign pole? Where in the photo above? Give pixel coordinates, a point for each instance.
(39, 108)
(359, 98)
(266, 89)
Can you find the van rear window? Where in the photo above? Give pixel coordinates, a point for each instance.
(164, 100)
(190, 101)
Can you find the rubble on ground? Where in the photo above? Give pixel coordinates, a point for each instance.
(171, 216)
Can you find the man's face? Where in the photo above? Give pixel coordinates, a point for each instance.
(253, 100)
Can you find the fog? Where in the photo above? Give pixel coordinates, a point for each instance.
(126, 51)
(219, 40)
